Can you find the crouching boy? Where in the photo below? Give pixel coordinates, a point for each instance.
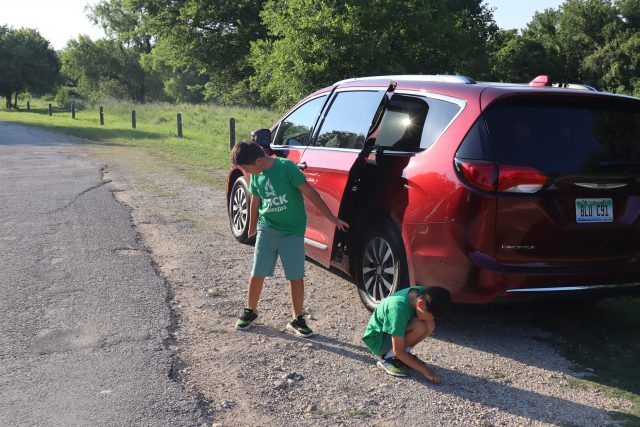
(401, 321)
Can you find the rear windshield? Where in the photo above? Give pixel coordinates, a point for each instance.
(558, 137)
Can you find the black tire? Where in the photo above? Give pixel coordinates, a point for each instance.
(239, 205)
(381, 265)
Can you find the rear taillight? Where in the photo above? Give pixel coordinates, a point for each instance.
(481, 175)
(520, 179)
(488, 176)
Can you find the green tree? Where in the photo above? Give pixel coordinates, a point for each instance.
(103, 68)
(123, 25)
(206, 38)
(521, 59)
(180, 85)
(27, 63)
(313, 43)
(573, 31)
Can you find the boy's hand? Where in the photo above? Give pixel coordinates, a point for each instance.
(431, 376)
(340, 224)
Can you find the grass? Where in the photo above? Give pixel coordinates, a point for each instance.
(603, 342)
(213, 293)
(358, 413)
(203, 151)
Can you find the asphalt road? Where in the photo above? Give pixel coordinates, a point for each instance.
(84, 314)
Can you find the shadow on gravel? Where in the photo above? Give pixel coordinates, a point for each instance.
(491, 393)
(319, 342)
(502, 396)
(601, 339)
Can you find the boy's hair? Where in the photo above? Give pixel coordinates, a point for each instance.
(437, 300)
(246, 153)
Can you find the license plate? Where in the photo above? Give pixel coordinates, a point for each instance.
(594, 210)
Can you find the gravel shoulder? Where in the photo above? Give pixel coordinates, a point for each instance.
(497, 367)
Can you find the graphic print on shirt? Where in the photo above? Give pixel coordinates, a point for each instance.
(273, 202)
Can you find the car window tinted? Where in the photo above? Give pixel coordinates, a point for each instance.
(294, 129)
(440, 115)
(402, 125)
(596, 137)
(348, 120)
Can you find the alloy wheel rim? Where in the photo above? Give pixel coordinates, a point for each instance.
(239, 210)
(378, 269)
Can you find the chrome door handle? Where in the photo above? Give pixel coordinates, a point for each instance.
(302, 165)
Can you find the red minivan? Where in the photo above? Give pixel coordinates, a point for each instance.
(494, 191)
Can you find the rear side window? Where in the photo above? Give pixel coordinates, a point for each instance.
(560, 137)
(441, 114)
(294, 129)
(348, 120)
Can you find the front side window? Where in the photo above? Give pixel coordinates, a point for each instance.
(349, 119)
(402, 125)
(295, 128)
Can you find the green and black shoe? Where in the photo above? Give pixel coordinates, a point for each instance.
(299, 327)
(393, 366)
(246, 318)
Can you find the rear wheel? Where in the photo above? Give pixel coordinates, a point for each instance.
(239, 210)
(381, 267)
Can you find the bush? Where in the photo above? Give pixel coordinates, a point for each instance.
(65, 96)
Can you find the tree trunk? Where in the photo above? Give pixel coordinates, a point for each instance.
(15, 104)
(8, 101)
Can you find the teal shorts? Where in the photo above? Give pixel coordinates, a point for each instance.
(269, 244)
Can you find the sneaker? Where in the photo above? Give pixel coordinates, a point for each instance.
(393, 366)
(299, 327)
(246, 318)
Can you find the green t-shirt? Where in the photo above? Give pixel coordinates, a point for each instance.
(282, 207)
(390, 317)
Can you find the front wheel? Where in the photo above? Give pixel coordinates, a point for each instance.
(239, 204)
(381, 267)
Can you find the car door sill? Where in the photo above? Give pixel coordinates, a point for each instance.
(315, 244)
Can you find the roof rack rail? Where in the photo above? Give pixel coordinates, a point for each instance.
(440, 78)
(544, 81)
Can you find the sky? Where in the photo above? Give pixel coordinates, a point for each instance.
(59, 21)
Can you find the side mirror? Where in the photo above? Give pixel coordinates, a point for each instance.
(262, 137)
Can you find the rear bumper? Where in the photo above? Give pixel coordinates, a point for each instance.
(435, 257)
(571, 292)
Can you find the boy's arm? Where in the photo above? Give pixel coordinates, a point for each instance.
(311, 194)
(397, 342)
(253, 215)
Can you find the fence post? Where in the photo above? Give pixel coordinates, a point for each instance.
(232, 132)
(179, 119)
(73, 111)
(133, 119)
(28, 106)
(50, 110)
(101, 116)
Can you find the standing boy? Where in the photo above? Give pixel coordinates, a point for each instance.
(279, 217)
(401, 321)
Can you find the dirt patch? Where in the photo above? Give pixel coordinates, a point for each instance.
(496, 367)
